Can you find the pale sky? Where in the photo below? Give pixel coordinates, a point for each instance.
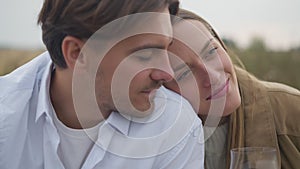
(276, 21)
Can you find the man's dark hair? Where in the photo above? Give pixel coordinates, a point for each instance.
(82, 18)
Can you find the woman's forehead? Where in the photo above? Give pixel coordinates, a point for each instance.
(189, 27)
(192, 34)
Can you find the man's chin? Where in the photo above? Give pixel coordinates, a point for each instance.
(143, 111)
(140, 111)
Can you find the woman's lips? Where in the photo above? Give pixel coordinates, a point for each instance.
(220, 92)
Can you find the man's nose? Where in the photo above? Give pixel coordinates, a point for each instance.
(162, 70)
(160, 75)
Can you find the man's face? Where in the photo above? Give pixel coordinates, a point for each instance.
(131, 72)
(134, 68)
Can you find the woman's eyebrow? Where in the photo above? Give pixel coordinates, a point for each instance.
(181, 66)
(206, 45)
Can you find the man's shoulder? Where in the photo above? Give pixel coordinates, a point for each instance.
(170, 111)
(173, 99)
(16, 88)
(172, 129)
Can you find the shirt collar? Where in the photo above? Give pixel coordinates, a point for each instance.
(122, 122)
(119, 122)
(44, 105)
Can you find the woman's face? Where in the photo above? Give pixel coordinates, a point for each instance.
(200, 62)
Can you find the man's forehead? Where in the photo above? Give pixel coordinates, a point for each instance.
(155, 23)
(144, 41)
(148, 23)
(148, 29)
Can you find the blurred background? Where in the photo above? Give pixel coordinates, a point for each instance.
(265, 34)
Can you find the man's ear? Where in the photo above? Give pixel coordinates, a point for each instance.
(71, 48)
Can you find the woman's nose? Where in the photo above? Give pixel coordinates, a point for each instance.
(215, 74)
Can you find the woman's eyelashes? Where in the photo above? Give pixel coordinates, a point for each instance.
(183, 74)
(211, 51)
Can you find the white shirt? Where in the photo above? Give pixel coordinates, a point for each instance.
(82, 140)
(167, 139)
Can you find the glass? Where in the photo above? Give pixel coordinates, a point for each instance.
(254, 158)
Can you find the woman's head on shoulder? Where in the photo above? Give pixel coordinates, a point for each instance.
(204, 72)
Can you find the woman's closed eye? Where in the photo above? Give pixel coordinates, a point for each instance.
(183, 74)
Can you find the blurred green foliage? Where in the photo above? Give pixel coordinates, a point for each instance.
(280, 66)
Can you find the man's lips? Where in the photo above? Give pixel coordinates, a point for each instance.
(149, 90)
(222, 91)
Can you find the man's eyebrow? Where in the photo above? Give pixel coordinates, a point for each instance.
(206, 45)
(147, 46)
(152, 45)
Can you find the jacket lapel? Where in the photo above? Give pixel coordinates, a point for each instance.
(252, 125)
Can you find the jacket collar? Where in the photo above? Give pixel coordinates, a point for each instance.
(252, 125)
(259, 124)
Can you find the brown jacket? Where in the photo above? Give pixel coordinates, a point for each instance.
(268, 116)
